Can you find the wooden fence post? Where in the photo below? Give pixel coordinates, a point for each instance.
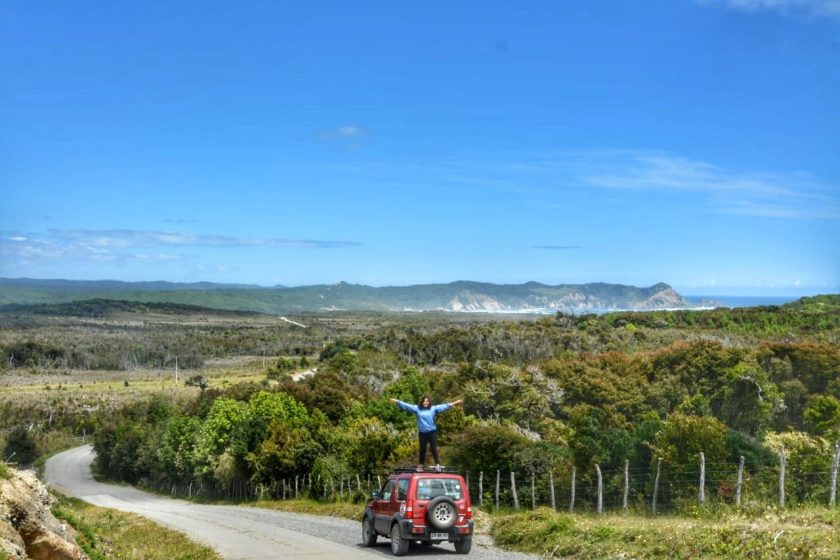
(498, 475)
(572, 500)
(626, 484)
(533, 491)
(656, 484)
(702, 495)
(832, 500)
(739, 485)
(600, 488)
(513, 489)
(782, 467)
(481, 488)
(296, 487)
(551, 484)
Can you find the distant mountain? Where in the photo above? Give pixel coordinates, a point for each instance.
(455, 296)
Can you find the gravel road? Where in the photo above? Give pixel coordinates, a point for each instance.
(241, 532)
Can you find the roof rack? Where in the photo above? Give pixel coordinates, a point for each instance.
(423, 469)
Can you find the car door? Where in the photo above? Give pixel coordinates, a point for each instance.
(382, 508)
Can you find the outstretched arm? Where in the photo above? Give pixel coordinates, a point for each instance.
(446, 406)
(405, 406)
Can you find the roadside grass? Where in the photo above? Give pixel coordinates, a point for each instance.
(346, 510)
(795, 534)
(105, 533)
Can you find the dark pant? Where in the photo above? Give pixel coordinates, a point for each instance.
(430, 439)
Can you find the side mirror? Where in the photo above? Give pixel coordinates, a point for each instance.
(374, 495)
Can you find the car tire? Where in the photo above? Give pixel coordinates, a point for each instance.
(463, 546)
(399, 545)
(442, 512)
(368, 533)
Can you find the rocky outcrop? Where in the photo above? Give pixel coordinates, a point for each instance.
(471, 301)
(574, 299)
(28, 530)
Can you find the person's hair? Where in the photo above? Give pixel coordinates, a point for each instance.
(423, 398)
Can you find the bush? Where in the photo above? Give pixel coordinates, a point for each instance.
(20, 446)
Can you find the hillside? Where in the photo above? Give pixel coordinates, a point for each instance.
(455, 296)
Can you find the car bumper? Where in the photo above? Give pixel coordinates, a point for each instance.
(424, 532)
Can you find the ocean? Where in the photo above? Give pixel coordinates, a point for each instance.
(740, 301)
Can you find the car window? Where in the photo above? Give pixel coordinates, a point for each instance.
(387, 490)
(431, 488)
(402, 489)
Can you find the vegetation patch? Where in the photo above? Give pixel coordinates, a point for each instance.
(329, 509)
(803, 534)
(106, 533)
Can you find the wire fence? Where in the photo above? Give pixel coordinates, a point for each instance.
(661, 488)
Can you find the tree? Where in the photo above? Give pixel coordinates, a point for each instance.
(223, 429)
(683, 438)
(176, 454)
(286, 451)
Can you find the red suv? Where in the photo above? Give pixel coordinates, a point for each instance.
(421, 506)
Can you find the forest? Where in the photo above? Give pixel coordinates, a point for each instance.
(542, 396)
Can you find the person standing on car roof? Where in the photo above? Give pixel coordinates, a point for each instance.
(426, 427)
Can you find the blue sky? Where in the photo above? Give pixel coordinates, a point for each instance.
(390, 143)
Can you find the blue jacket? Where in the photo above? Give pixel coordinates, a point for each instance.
(425, 416)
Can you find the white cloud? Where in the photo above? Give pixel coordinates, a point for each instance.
(122, 245)
(125, 238)
(824, 8)
(793, 195)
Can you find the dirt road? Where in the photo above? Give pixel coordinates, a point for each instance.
(239, 532)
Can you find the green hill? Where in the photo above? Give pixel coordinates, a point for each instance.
(455, 296)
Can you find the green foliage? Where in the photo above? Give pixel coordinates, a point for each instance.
(20, 446)
(491, 446)
(286, 451)
(177, 451)
(804, 454)
(822, 416)
(684, 437)
(408, 387)
(598, 438)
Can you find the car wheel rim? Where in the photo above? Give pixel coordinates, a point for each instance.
(442, 513)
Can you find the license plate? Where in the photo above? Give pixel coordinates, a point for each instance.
(441, 536)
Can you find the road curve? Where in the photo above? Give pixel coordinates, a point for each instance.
(237, 533)
(241, 532)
